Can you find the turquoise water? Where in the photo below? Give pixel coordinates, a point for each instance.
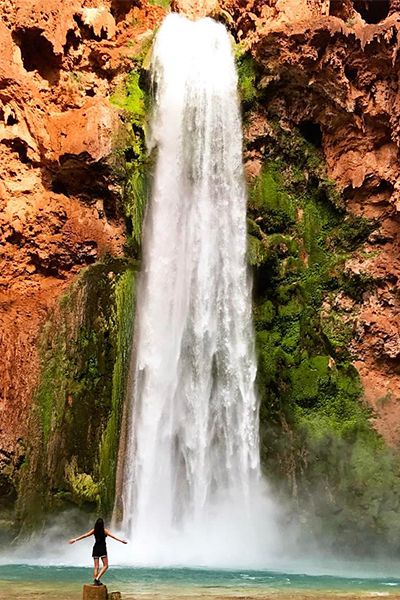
(31, 581)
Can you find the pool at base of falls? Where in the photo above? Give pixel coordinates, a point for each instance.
(24, 581)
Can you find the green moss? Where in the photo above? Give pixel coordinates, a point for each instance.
(355, 285)
(254, 229)
(265, 314)
(129, 160)
(314, 425)
(84, 352)
(268, 199)
(306, 379)
(257, 252)
(123, 311)
(339, 331)
(353, 232)
(247, 70)
(82, 485)
(129, 96)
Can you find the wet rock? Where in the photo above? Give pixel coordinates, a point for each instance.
(328, 64)
(114, 596)
(330, 68)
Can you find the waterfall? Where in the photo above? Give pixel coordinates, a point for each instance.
(192, 464)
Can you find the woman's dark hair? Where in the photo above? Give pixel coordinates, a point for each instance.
(99, 527)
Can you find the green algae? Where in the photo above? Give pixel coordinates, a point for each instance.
(83, 488)
(130, 97)
(123, 315)
(257, 253)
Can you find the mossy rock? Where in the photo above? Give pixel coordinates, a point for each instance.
(314, 425)
(129, 160)
(84, 351)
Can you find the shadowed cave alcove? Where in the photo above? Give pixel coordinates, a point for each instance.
(19, 147)
(120, 8)
(372, 11)
(311, 132)
(37, 54)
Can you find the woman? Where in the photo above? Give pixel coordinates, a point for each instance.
(99, 548)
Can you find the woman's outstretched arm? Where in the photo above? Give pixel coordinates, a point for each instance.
(81, 537)
(113, 537)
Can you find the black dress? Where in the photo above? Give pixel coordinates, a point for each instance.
(99, 548)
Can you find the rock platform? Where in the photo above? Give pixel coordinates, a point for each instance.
(99, 592)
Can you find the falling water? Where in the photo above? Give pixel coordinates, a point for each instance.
(193, 468)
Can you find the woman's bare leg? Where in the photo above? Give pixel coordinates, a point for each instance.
(96, 567)
(105, 566)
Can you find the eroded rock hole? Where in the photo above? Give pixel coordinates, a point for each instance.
(72, 176)
(383, 135)
(59, 187)
(351, 73)
(20, 147)
(385, 188)
(120, 8)
(343, 9)
(348, 192)
(372, 11)
(49, 269)
(73, 41)
(311, 132)
(12, 119)
(38, 54)
(8, 493)
(15, 238)
(130, 155)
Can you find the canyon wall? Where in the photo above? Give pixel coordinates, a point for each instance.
(319, 88)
